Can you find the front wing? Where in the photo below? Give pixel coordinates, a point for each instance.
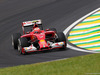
(52, 46)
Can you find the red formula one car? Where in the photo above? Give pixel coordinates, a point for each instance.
(37, 39)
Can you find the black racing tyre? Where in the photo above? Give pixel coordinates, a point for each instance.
(61, 37)
(22, 42)
(53, 29)
(15, 38)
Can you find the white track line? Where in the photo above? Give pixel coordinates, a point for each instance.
(97, 34)
(93, 19)
(78, 27)
(78, 42)
(66, 31)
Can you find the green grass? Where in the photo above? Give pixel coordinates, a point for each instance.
(81, 65)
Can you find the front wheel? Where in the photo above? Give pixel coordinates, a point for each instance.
(22, 42)
(61, 37)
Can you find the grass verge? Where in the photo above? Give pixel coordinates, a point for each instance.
(82, 65)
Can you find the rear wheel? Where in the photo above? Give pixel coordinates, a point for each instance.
(22, 42)
(61, 37)
(15, 38)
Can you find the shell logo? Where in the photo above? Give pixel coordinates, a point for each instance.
(42, 40)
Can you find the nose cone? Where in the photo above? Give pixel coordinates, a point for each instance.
(43, 44)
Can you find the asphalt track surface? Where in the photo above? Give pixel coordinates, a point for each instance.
(58, 14)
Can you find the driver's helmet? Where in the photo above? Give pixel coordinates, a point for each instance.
(37, 30)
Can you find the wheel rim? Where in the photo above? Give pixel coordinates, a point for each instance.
(19, 46)
(19, 49)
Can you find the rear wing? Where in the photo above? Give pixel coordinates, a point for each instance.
(30, 23)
